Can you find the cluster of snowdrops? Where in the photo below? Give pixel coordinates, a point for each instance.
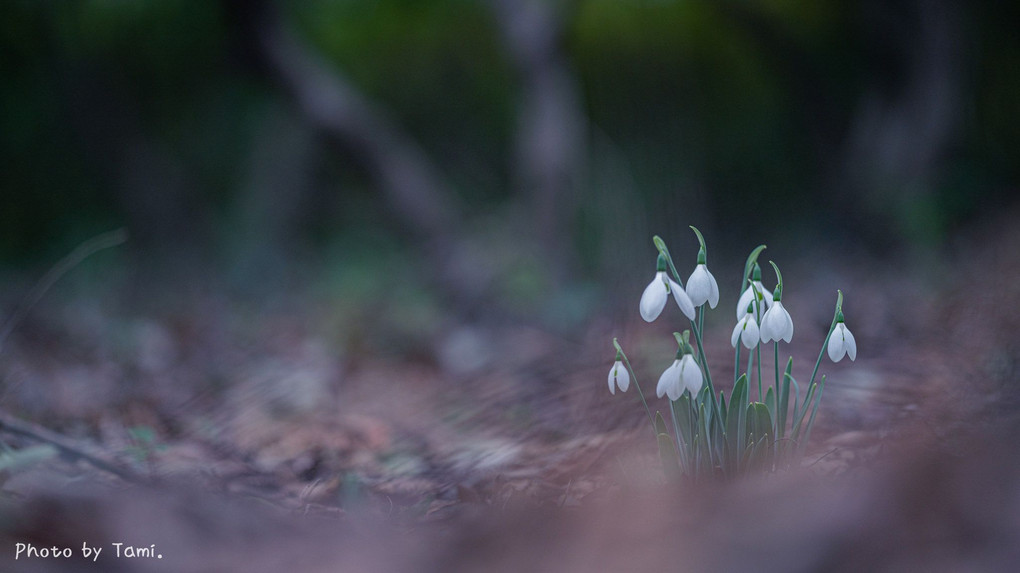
(708, 435)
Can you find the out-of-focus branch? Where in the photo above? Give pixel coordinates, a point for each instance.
(551, 124)
(67, 446)
(412, 186)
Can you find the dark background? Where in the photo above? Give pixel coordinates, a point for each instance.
(498, 151)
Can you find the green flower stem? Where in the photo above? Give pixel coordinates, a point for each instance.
(679, 439)
(761, 397)
(633, 376)
(776, 350)
(704, 367)
(736, 363)
(825, 344)
(750, 364)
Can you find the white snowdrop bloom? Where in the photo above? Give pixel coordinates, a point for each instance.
(776, 324)
(746, 331)
(653, 300)
(748, 296)
(683, 373)
(670, 383)
(618, 376)
(701, 286)
(842, 342)
(690, 374)
(682, 300)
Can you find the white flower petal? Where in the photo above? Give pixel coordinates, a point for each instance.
(653, 300)
(745, 299)
(851, 344)
(612, 379)
(713, 297)
(748, 297)
(765, 294)
(668, 379)
(698, 286)
(737, 331)
(750, 334)
(682, 300)
(622, 377)
(766, 326)
(673, 391)
(691, 375)
(836, 348)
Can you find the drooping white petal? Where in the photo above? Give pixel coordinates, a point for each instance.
(750, 334)
(713, 297)
(669, 380)
(622, 376)
(766, 326)
(653, 300)
(776, 324)
(702, 288)
(737, 331)
(851, 344)
(682, 300)
(618, 376)
(691, 376)
(837, 346)
(747, 297)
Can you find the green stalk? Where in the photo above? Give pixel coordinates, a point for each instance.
(736, 363)
(825, 344)
(761, 397)
(776, 349)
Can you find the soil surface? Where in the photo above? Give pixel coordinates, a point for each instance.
(284, 437)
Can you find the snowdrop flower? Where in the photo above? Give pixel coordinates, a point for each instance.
(683, 373)
(701, 286)
(618, 376)
(748, 296)
(841, 341)
(746, 330)
(776, 324)
(653, 300)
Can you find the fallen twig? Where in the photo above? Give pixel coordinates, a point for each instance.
(67, 446)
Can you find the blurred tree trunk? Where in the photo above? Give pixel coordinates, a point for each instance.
(411, 185)
(551, 125)
(165, 215)
(901, 132)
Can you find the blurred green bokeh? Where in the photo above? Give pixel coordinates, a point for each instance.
(785, 118)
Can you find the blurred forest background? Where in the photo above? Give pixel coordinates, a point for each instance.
(379, 248)
(498, 151)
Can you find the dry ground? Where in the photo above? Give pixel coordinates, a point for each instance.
(267, 439)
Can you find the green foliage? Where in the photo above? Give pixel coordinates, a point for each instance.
(719, 437)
